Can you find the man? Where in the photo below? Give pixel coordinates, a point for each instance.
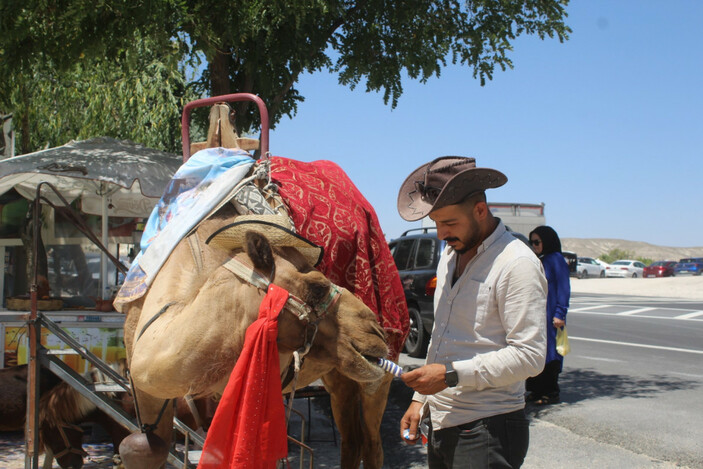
(489, 328)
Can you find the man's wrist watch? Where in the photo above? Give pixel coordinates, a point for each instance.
(451, 378)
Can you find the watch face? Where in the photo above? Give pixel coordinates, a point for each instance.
(451, 378)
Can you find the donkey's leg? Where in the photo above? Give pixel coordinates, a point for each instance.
(149, 450)
(48, 458)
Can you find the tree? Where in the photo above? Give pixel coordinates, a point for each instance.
(263, 47)
(137, 94)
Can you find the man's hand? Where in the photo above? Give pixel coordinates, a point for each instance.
(411, 422)
(428, 379)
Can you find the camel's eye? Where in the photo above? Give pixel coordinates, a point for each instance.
(317, 291)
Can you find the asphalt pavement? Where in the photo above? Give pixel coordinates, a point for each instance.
(631, 392)
(552, 446)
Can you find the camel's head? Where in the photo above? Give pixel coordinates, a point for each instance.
(348, 336)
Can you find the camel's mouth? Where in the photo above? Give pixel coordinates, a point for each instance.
(371, 359)
(366, 367)
(371, 356)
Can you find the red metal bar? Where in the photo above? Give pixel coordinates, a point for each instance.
(263, 113)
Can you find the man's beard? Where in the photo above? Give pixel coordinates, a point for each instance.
(472, 241)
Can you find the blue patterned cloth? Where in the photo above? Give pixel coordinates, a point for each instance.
(195, 190)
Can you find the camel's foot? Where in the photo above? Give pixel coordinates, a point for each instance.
(143, 451)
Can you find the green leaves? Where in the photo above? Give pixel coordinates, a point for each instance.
(137, 95)
(125, 69)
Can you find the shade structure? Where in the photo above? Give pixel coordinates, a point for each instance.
(111, 177)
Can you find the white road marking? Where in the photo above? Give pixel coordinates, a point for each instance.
(630, 344)
(635, 311)
(588, 308)
(682, 317)
(692, 315)
(599, 359)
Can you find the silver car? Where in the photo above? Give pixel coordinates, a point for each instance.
(589, 267)
(625, 268)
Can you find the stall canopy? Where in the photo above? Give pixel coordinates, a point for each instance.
(111, 177)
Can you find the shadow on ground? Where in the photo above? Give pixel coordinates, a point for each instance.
(585, 384)
(396, 453)
(324, 438)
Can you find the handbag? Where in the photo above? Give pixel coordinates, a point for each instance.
(563, 346)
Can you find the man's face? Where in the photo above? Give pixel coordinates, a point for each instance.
(457, 225)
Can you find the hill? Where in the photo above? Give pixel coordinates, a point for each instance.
(594, 247)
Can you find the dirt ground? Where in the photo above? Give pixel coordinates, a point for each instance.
(682, 287)
(12, 445)
(320, 434)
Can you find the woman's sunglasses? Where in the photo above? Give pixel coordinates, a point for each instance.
(535, 242)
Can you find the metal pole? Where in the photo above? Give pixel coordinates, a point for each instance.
(103, 256)
(34, 335)
(2, 280)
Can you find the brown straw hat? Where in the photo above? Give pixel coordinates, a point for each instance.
(444, 181)
(277, 229)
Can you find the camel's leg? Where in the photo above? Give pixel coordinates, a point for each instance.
(372, 408)
(345, 397)
(358, 417)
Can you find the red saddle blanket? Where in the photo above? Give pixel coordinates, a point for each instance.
(329, 210)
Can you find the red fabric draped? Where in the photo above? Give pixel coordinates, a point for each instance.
(248, 430)
(329, 210)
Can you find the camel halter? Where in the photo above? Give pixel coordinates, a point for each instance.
(311, 315)
(304, 312)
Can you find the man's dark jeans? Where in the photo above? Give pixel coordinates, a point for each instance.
(500, 441)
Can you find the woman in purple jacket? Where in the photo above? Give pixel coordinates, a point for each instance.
(543, 389)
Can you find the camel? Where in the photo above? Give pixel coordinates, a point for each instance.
(191, 348)
(202, 311)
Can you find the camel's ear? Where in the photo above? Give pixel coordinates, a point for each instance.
(259, 250)
(317, 291)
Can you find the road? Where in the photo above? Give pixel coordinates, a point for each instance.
(631, 392)
(634, 377)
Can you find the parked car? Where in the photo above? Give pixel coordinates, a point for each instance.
(625, 268)
(416, 253)
(689, 265)
(589, 267)
(572, 261)
(659, 269)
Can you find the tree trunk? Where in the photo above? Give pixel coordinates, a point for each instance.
(219, 74)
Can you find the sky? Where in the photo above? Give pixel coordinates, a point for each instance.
(605, 129)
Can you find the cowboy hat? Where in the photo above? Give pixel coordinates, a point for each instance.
(444, 181)
(277, 229)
